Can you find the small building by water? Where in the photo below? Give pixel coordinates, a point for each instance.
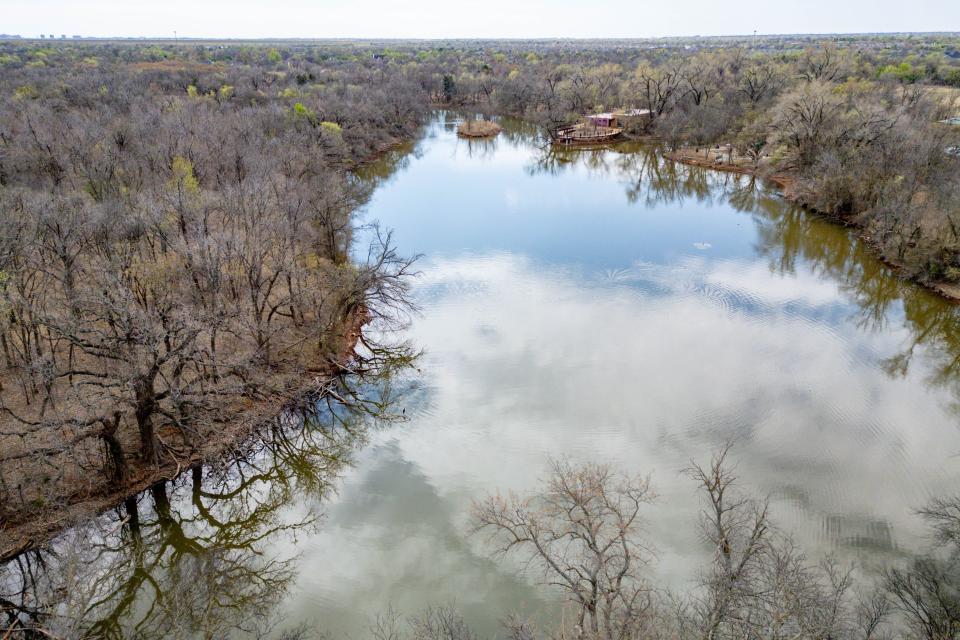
(603, 119)
(615, 119)
(596, 127)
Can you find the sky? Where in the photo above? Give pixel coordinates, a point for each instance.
(470, 18)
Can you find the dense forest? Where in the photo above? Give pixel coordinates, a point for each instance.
(853, 121)
(179, 262)
(852, 128)
(176, 256)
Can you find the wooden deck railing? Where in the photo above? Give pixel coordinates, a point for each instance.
(584, 134)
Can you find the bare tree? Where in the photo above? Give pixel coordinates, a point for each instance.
(737, 530)
(821, 63)
(927, 591)
(583, 532)
(760, 583)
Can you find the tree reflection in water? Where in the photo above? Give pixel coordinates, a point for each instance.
(188, 558)
(790, 234)
(787, 236)
(926, 591)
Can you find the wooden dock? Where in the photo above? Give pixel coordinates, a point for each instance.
(584, 134)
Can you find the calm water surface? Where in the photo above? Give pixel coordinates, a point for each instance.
(607, 305)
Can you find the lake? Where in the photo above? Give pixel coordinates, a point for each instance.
(596, 305)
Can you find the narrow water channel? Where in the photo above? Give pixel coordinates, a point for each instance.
(590, 304)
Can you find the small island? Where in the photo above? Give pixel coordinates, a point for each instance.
(478, 129)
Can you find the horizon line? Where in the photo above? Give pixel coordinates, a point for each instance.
(74, 37)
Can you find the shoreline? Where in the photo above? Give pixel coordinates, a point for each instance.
(949, 291)
(38, 528)
(33, 532)
(36, 531)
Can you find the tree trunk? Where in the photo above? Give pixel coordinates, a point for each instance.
(146, 403)
(133, 518)
(116, 464)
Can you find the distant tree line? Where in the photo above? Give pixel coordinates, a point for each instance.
(855, 132)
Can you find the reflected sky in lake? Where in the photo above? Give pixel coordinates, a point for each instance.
(606, 305)
(596, 304)
(499, 195)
